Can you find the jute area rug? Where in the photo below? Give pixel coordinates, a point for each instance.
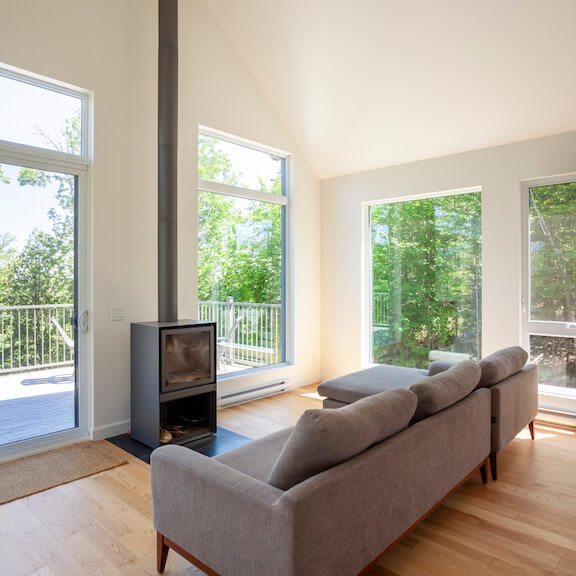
(33, 474)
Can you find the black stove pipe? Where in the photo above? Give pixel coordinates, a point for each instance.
(167, 160)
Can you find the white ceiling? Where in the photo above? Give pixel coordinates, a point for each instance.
(363, 84)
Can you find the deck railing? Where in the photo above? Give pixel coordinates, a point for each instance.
(248, 333)
(380, 312)
(29, 337)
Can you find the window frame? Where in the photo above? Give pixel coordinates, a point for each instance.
(64, 159)
(552, 398)
(284, 200)
(79, 166)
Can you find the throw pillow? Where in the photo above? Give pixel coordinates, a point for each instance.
(501, 364)
(444, 389)
(322, 439)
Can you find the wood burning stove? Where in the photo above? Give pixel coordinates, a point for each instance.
(173, 381)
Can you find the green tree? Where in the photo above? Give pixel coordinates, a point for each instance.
(40, 273)
(43, 271)
(426, 263)
(239, 241)
(553, 252)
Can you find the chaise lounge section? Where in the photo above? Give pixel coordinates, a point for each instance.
(512, 382)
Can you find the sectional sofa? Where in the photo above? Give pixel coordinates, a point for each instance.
(330, 495)
(513, 386)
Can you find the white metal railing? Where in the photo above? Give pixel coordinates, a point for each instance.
(380, 309)
(29, 337)
(248, 333)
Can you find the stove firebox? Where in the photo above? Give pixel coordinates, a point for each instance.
(173, 381)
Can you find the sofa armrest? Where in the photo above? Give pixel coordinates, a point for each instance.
(197, 502)
(438, 366)
(514, 405)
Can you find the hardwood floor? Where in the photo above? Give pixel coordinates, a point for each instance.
(522, 525)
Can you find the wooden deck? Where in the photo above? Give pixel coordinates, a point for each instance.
(36, 403)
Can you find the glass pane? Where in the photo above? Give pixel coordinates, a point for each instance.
(240, 279)
(39, 117)
(426, 280)
(227, 163)
(556, 359)
(37, 339)
(553, 253)
(188, 358)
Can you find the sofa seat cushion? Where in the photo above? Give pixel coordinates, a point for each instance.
(371, 381)
(322, 439)
(501, 364)
(256, 458)
(446, 388)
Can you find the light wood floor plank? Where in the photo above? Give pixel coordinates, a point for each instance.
(522, 525)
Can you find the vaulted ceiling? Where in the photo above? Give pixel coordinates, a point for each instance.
(363, 84)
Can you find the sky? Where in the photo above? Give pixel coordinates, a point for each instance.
(27, 111)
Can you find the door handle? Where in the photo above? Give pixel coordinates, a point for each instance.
(83, 321)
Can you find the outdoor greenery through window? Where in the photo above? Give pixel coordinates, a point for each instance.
(241, 251)
(426, 280)
(552, 310)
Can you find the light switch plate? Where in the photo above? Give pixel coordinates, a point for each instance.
(117, 313)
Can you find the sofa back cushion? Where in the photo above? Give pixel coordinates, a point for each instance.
(446, 388)
(322, 439)
(501, 364)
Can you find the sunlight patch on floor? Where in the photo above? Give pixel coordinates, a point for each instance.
(313, 395)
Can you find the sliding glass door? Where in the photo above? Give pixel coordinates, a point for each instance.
(37, 303)
(43, 162)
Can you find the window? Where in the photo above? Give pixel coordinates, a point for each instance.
(425, 280)
(242, 213)
(550, 313)
(35, 113)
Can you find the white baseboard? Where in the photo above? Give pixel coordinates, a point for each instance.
(109, 430)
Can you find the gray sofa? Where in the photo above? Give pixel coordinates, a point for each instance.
(330, 495)
(513, 385)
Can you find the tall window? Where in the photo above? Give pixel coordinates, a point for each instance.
(242, 204)
(425, 279)
(551, 311)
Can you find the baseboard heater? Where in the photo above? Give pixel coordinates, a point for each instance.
(253, 393)
(557, 418)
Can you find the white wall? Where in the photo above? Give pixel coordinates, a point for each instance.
(499, 171)
(110, 48)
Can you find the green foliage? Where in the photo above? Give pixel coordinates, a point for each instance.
(43, 271)
(3, 179)
(426, 260)
(553, 252)
(239, 241)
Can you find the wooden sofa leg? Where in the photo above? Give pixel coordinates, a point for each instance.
(161, 552)
(531, 427)
(483, 472)
(493, 467)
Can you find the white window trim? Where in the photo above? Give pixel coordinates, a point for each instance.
(283, 200)
(552, 398)
(366, 280)
(75, 165)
